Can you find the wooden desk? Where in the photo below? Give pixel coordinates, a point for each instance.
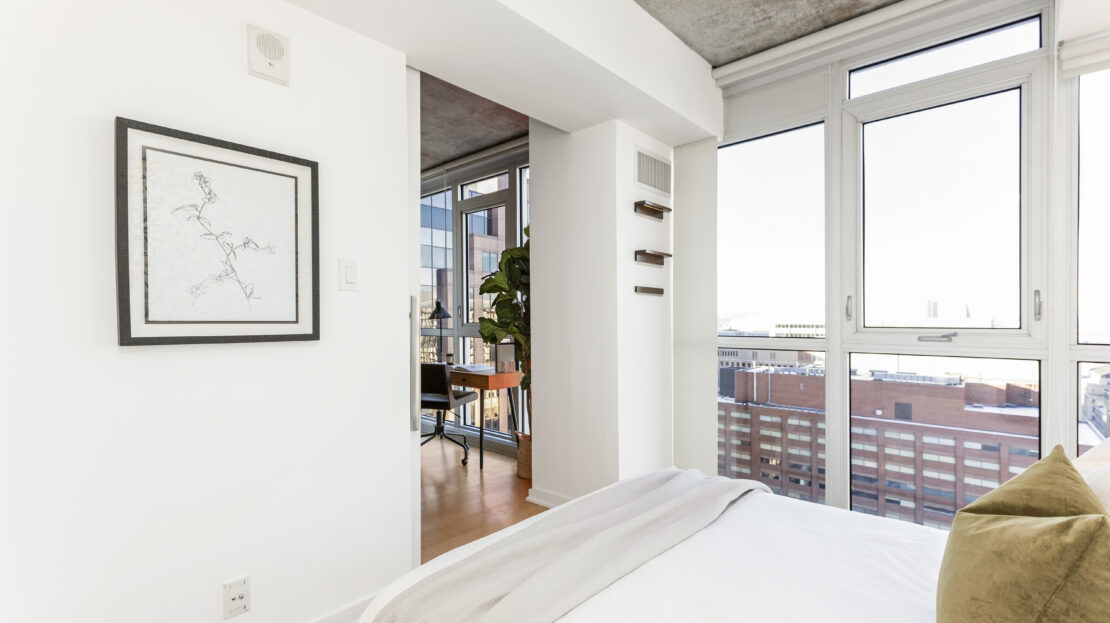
(485, 382)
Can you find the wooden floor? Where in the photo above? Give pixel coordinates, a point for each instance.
(459, 504)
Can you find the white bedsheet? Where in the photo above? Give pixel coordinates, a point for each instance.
(767, 558)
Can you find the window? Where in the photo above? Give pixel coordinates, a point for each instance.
(789, 422)
(485, 240)
(468, 216)
(948, 175)
(937, 233)
(1094, 404)
(484, 186)
(903, 411)
(489, 261)
(964, 404)
(1094, 197)
(497, 408)
(436, 273)
(772, 285)
(967, 52)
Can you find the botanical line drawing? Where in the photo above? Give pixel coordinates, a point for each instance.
(228, 251)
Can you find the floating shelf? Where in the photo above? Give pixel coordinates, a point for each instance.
(649, 290)
(648, 208)
(651, 257)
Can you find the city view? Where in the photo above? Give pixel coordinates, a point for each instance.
(924, 442)
(484, 237)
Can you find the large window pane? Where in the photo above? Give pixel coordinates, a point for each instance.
(953, 56)
(1094, 207)
(496, 407)
(484, 186)
(771, 236)
(1094, 404)
(525, 201)
(485, 240)
(771, 419)
(929, 435)
(942, 216)
(436, 275)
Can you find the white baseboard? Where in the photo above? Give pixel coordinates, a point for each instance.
(349, 613)
(548, 499)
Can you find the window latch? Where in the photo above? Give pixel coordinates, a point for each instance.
(943, 337)
(1037, 306)
(848, 309)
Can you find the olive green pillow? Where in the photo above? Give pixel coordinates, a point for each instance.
(1036, 549)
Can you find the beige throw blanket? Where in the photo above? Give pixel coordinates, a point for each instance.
(544, 570)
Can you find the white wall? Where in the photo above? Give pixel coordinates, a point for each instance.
(644, 332)
(574, 311)
(571, 64)
(149, 475)
(695, 309)
(601, 354)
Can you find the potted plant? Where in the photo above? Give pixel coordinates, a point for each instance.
(512, 317)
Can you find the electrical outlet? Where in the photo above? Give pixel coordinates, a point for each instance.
(237, 597)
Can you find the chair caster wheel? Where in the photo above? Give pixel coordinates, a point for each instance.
(465, 461)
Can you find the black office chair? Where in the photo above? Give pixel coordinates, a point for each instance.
(437, 394)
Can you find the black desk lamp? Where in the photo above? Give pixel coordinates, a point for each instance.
(439, 314)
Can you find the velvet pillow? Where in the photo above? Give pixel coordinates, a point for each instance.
(1036, 549)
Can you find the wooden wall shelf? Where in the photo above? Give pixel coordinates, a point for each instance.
(648, 256)
(648, 208)
(649, 290)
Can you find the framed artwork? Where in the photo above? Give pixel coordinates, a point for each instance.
(215, 242)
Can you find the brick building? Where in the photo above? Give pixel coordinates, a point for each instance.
(921, 447)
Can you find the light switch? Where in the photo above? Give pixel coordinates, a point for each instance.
(348, 275)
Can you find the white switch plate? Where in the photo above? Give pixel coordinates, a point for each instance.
(237, 597)
(348, 275)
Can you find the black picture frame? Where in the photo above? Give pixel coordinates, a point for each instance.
(125, 230)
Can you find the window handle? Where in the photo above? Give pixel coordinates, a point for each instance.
(1037, 306)
(943, 337)
(848, 309)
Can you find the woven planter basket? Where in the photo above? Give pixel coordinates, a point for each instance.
(524, 456)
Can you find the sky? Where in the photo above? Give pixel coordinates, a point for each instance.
(1094, 207)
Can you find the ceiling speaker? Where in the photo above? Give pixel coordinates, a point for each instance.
(267, 55)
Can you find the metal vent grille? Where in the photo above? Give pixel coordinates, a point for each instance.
(653, 172)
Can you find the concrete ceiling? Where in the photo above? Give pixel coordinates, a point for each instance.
(722, 31)
(455, 122)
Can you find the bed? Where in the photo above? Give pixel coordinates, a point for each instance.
(764, 558)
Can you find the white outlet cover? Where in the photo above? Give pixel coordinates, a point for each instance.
(237, 597)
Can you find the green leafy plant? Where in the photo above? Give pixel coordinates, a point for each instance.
(512, 314)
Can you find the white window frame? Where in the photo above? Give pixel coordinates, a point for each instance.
(1075, 353)
(1039, 340)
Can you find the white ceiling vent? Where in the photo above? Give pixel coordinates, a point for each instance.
(267, 55)
(653, 172)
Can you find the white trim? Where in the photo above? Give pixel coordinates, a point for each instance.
(884, 33)
(821, 43)
(1085, 54)
(348, 613)
(478, 157)
(547, 499)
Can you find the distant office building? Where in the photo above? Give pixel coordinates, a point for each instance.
(1094, 409)
(921, 447)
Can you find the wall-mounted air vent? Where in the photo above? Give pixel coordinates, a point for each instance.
(653, 172)
(267, 55)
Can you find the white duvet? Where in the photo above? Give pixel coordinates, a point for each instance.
(766, 558)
